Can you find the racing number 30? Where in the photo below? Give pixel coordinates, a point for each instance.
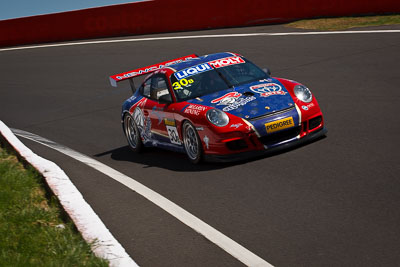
(184, 82)
(173, 135)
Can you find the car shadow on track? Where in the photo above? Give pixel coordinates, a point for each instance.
(155, 157)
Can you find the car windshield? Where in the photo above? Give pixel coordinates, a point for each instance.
(214, 76)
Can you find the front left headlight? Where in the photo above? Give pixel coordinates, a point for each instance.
(217, 117)
(303, 93)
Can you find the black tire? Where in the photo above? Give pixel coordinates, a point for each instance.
(192, 143)
(132, 134)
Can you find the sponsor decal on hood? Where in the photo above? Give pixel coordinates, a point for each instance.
(249, 100)
(268, 89)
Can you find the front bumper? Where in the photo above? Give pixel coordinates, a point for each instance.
(268, 150)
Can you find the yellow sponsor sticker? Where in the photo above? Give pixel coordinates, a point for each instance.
(279, 125)
(169, 122)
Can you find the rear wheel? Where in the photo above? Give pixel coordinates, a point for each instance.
(132, 134)
(192, 143)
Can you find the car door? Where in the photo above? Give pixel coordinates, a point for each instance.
(163, 126)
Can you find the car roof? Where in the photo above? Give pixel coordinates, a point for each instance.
(201, 59)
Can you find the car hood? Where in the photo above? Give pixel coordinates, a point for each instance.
(250, 100)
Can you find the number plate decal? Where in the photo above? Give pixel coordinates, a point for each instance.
(173, 135)
(279, 125)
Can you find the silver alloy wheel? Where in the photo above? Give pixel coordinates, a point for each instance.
(191, 142)
(131, 131)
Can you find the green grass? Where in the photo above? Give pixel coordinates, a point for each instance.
(344, 23)
(32, 231)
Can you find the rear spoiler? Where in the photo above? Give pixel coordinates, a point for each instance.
(114, 79)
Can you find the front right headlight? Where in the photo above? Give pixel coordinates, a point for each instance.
(217, 117)
(303, 93)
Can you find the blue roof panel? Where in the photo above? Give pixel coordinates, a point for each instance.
(200, 60)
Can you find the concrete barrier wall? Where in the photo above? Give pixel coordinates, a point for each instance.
(176, 15)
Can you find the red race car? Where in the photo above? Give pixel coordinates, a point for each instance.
(218, 107)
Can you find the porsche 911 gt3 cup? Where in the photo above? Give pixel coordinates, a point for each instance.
(218, 107)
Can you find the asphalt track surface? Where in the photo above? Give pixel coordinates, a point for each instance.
(334, 202)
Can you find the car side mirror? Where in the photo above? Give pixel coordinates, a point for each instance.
(165, 99)
(267, 71)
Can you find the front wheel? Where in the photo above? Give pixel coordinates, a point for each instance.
(132, 134)
(192, 143)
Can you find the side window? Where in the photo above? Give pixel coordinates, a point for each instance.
(145, 88)
(158, 87)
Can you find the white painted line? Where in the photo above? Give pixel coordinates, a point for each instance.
(236, 250)
(195, 37)
(86, 220)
